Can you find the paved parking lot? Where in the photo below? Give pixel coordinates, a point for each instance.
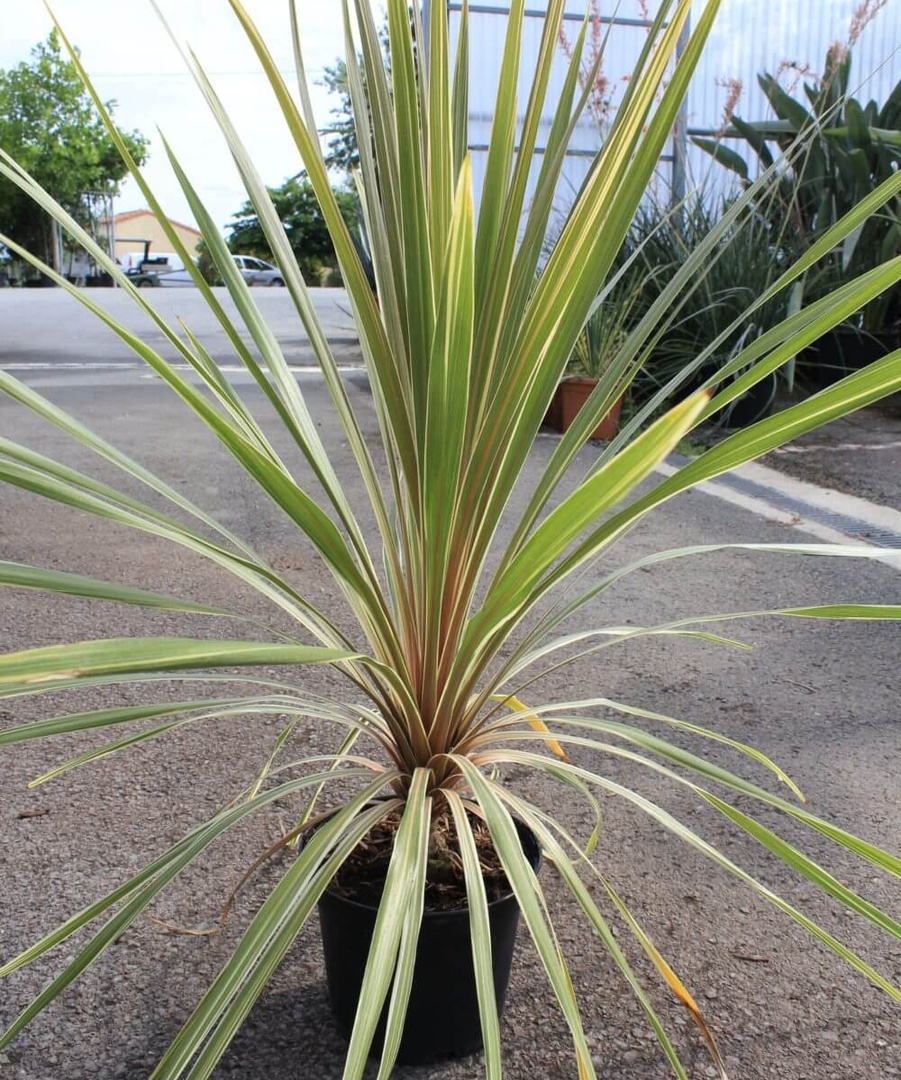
(820, 699)
(48, 327)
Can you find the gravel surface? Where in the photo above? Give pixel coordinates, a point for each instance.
(820, 699)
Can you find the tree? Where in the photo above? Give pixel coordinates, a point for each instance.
(49, 124)
(298, 210)
(343, 153)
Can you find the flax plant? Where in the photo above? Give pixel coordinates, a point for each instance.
(453, 617)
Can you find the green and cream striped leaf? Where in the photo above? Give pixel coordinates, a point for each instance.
(396, 408)
(402, 980)
(480, 937)
(125, 656)
(806, 866)
(460, 91)
(534, 235)
(500, 157)
(408, 855)
(493, 316)
(284, 491)
(566, 290)
(681, 831)
(172, 236)
(527, 890)
(535, 642)
(373, 102)
(416, 241)
(47, 410)
(870, 853)
(387, 264)
(853, 392)
(520, 586)
(101, 718)
(441, 173)
(562, 863)
(47, 478)
(273, 929)
(139, 891)
(22, 576)
(558, 709)
(444, 452)
(706, 250)
(165, 371)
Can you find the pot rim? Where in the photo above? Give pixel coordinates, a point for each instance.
(521, 827)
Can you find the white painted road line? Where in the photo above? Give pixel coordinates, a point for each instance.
(817, 498)
(836, 448)
(835, 502)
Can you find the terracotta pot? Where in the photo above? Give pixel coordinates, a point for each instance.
(553, 418)
(573, 393)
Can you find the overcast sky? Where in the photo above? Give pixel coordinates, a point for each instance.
(132, 60)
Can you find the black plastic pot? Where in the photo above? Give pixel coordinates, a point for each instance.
(844, 350)
(443, 1013)
(755, 404)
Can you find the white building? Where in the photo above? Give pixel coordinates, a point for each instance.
(750, 37)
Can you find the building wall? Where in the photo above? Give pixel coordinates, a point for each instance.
(749, 37)
(142, 225)
(488, 25)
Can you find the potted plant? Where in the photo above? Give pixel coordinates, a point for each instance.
(709, 319)
(822, 158)
(441, 626)
(606, 330)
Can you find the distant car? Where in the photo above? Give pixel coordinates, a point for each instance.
(257, 272)
(165, 271)
(143, 279)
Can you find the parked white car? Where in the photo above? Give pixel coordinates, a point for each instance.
(257, 272)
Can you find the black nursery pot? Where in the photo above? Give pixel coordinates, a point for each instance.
(443, 1012)
(844, 350)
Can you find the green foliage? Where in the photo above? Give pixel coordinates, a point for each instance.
(454, 577)
(743, 264)
(835, 152)
(299, 212)
(341, 134)
(205, 263)
(618, 308)
(49, 124)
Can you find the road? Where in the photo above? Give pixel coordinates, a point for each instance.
(41, 328)
(820, 699)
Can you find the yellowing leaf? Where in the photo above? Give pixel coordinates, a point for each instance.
(533, 721)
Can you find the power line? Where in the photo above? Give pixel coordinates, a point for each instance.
(156, 75)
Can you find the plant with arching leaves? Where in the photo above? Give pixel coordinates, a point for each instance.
(447, 618)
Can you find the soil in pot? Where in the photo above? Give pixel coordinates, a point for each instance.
(443, 1013)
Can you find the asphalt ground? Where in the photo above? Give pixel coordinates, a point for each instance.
(819, 698)
(47, 328)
